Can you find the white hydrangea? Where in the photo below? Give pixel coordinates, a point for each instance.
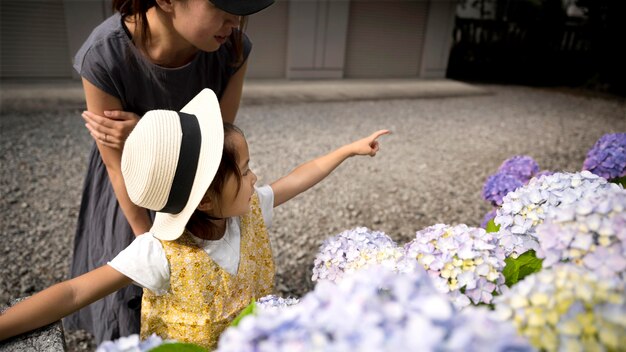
(566, 308)
(463, 261)
(526, 207)
(354, 249)
(590, 233)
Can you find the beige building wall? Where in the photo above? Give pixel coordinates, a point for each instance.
(385, 38)
(293, 39)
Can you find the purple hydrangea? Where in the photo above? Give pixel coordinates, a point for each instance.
(521, 167)
(499, 185)
(488, 217)
(607, 158)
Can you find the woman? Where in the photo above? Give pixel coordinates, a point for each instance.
(151, 54)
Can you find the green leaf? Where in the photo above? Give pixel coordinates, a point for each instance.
(517, 269)
(511, 271)
(620, 181)
(492, 227)
(178, 347)
(250, 309)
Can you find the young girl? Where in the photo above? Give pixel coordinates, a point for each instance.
(207, 254)
(131, 63)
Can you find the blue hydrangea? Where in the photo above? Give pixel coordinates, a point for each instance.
(607, 157)
(499, 185)
(375, 309)
(522, 167)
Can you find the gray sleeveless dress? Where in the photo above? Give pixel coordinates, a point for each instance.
(109, 60)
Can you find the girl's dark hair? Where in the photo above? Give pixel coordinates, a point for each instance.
(228, 166)
(137, 10)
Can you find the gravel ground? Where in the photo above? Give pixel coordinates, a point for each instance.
(430, 170)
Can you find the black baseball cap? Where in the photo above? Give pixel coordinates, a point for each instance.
(242, 7)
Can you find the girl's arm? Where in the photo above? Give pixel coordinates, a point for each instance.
(310, 173)
(229, 103)
(98, 101)
(60, 300)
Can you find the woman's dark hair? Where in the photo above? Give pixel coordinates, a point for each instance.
(137, 10)
(228, 167)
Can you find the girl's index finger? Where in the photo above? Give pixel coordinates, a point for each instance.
(379, 133)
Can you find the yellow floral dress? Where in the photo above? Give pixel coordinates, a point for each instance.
(204, 298)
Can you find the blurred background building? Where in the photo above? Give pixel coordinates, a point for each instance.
(293, 39)
(532, 42)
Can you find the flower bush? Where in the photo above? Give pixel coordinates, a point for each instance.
(374, 309)
(355, 249)
(607, 157)
(132, 343)
(515, 245)
(272, 302)
(513, 173)
(462, 261)
(590, 233)
(525, 208)
(499, 185)
(487, 218)
(522, 167)
(566, 308)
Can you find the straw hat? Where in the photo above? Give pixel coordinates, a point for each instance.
(170, 159)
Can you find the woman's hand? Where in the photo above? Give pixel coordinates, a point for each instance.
(368, 145)
(112, 129)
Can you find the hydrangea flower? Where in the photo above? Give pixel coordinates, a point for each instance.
(375, 309)
(543, 173)
(526, 207)
(607, 157)
(272, 302)
(565, 308)
(352, 250)
(463, 261)
(590, 233)
(522, 167)
(490, 215)
(514, 245)
(499, 185)
(132, 343)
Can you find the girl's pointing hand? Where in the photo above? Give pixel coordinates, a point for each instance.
(368, 145)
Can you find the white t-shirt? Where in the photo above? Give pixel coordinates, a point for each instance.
(144, 260)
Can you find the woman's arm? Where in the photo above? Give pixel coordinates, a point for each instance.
(60, 300)
(310, 173)
(98, 101)
(229, 103)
